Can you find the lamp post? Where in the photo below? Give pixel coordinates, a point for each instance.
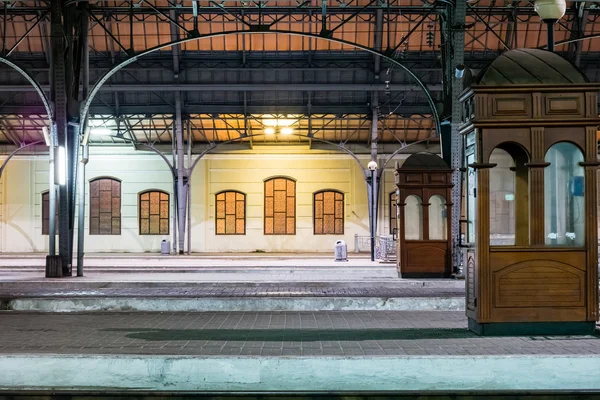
(550, 11)
(373, 168)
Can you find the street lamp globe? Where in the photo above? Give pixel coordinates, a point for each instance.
(550, 10)
(372, 165)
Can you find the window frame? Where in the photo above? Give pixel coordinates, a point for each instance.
(393, 209)
(47, 233)
(224, 192)
(168, 218)
(335, 219)
(120, 197)
(266, 181)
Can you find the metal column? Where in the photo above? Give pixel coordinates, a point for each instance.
(59, 96)
(458, 57)
(181, 195)
(85, 61)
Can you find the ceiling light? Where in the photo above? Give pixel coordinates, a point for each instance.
(287, 131)
(100, 131)
(285, 122)
(552, 10)
(269, 131)
(269, 122)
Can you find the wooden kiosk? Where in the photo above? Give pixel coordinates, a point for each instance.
(530, 121)
(424, 207)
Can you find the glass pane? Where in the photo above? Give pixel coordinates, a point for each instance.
(230, 203)
(564, 196)
(105, 224)
(291, 187)
(144, 209)
(279, 223)
(95, 189)
(221, 226)
(154, 225)
(220, 209)
(280, 184)
(221, 196)
(328, 224)
(290, 207)
(319, 209)
(239, 226)
(319, 196)
(116, 188)
(280, 201)
(502, 199)
(239, 212)
(437, 218)
(154, 203)
(413, 218)
(339, 226)
(116, 226)
(230, 224)
(239, 197)
(291, 226)
(269, 207)
(116, 206)
(94, 206)
(339, 209)
(269, 226)
(329, 203)
(164, 197)
(318, 226)
(269, 188)
(145, 196)
(94, 226)
(105, 202)
(471, 186)
(144, 226)
(105, 184)
(164, 226)
(164, 209)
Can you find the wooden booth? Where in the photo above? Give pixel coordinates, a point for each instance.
(423, 197)
(530, 121)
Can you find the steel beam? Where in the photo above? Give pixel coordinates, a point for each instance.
(246, 87)
(181, 196)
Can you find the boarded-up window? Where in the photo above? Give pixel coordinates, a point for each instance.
(328, 213)
(230, 213)
(105, 207)
(280, 206)
(46, 214)
(393, 212)
(154, 213)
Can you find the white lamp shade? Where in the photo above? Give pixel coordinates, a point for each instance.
(550, 9)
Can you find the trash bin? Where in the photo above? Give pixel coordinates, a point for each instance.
(165, 248)
(341, 251)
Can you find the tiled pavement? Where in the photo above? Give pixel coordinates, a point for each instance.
(346, 333)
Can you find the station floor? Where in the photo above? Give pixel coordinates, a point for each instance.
(259, 324)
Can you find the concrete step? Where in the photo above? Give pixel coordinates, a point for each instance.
(77, 283)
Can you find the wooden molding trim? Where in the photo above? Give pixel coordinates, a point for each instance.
(482, 165)
(590, 163)
(537, 165)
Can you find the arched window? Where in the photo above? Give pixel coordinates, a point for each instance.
(564, 196)
(328, 210)
(230, 215)
(154, 212)
(280, 206)
(393, 212)
(46, 214)
(105, 206)
(413, 218)
(509, 196)
(438, 222)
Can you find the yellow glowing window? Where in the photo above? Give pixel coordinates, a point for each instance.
(328, 213)
(105, 206)
(154, 213)
(280, 206)
(230, 213)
